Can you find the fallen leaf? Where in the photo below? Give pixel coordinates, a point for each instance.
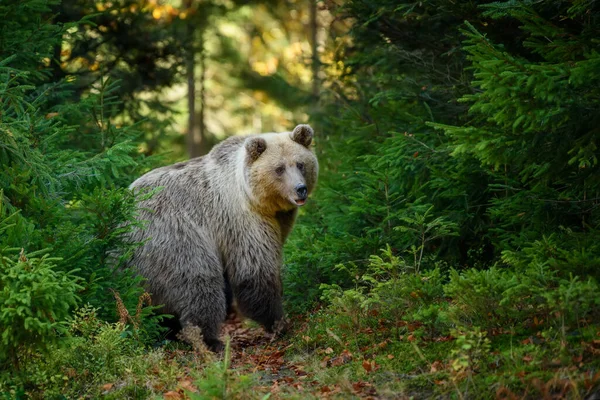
(107, 386)
(346, 355)
(390, 356)
(527, 341)
(336, 362)
(367, 366)
(328, 350)
(275, 387)
(325, 389)
(188, 385)
(171, 395)
(436, 366)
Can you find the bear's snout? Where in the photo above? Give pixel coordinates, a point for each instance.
(302, 191)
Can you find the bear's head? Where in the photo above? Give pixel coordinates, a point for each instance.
(281, 168)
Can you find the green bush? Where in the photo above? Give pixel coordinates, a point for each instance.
(393, 291)
(66, 162)
(507, 298)
(479, 297)
(90, 355)
(35, 300)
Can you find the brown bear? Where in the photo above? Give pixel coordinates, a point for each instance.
(220, 221)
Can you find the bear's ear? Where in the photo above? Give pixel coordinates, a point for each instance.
(303, 134)
(255, 147)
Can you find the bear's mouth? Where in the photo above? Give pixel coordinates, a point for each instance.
(297, 202)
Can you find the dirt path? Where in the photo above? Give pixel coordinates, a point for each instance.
(280, 374)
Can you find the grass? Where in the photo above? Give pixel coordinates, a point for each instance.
(345, 350)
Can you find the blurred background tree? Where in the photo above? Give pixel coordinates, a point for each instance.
(241, 66)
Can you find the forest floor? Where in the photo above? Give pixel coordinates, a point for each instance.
(262, 365)
(328, 353)
(378, 364)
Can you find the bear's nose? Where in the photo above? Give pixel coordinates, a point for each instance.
(302, 191)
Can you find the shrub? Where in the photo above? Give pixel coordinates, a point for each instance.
(35, 300)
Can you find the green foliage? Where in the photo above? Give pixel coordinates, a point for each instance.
(495, 299)
(467, 132)
(93, 359)
(478, 296)
(35, 300)
(219, 381)
(390, 290)
(534, 119)
(65, 164)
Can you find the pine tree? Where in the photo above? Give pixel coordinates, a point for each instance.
(482, 113)
(63, 200)
(533, 123)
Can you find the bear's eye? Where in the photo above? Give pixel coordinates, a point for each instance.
(300, 166)
(280, 170)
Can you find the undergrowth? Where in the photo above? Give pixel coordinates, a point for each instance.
(475, 334)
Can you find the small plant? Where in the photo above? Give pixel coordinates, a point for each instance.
(477, 297)
(35, 300)
(572, 302)
(219, 381)
(389, 288)
(468, 357)
(424, 228)
(382, 275)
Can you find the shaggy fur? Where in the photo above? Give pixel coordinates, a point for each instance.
(222, 219)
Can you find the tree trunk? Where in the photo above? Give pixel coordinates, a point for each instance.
(190, 65)
(203, 146)
(314, 26)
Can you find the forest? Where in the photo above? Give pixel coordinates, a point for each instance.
(451, 249)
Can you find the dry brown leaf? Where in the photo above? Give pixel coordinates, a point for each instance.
(367, 365)
(275, 387)
(172, 395)
(436, 366)
(188, 385)
(107, 386)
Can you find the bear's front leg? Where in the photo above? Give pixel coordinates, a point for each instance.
(205, 307)
(259, 297)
